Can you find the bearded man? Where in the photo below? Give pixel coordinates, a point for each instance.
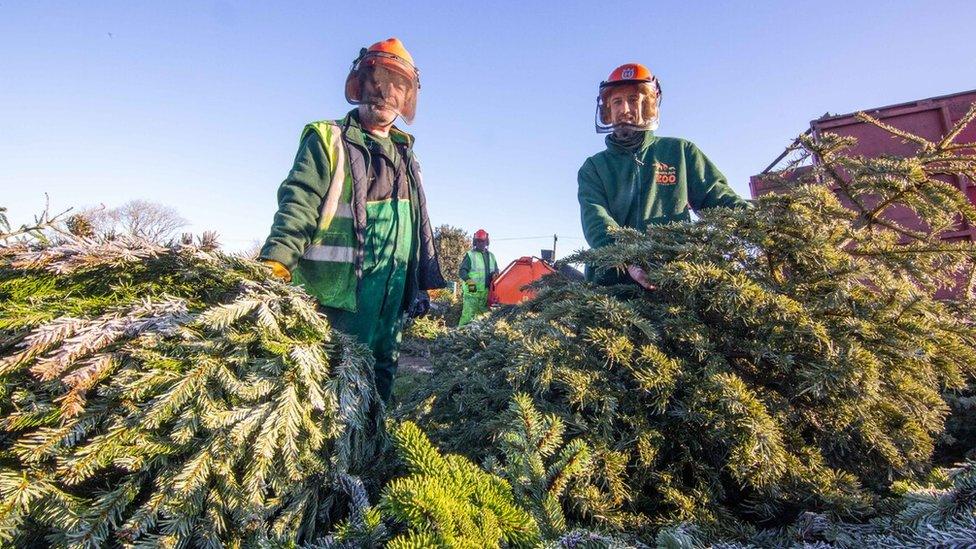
(352, 225)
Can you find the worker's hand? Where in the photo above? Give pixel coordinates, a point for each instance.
(420, 306)
(640, 276)
(472, 286)
(277, 269)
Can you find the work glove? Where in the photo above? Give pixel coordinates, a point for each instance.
(420, 306)
(278, 270)
(472, 286)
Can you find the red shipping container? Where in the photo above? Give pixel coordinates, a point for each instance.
(929, 118)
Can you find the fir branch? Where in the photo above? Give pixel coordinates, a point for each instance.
(43, 223)
(190, 390)
(793, 356)
(925, 144)
(956, 130)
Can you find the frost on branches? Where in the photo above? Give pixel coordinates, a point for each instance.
(798, 377)
(793, 358)
(171, 396)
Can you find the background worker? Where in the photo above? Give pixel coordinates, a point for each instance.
(352, 225)
(641, 179)
(478, 269)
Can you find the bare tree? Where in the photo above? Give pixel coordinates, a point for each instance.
(254, 250)
(140, 218)
(150, 220)
(101, 220)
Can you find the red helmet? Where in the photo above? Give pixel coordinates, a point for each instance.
(391, 55)
(481, 234)
(633, 74)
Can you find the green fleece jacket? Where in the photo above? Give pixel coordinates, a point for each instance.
(660, 180)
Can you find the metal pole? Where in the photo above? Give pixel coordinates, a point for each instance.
(554, 239)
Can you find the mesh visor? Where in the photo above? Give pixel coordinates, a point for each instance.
(648, 106)
(384, 79)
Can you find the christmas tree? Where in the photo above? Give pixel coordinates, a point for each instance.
(448, 501)
(797, 377)
(793, 357)
(171, 396)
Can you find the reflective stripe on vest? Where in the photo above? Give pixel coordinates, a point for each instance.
(335, 233)
(337, 254)
(327, 269)
(477, 271)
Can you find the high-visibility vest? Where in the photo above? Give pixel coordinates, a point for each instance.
(477, 273)
(327, 269)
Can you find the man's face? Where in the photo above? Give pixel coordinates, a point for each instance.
(384, 93)
(480, 244)
(627, 105)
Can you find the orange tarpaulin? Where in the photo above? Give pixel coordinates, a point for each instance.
(507, 288)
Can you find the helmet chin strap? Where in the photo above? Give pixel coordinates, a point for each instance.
(623, 130)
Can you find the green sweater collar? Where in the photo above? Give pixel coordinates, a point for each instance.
(353, 130)
(614, 146)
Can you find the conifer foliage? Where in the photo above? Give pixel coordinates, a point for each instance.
(793, 357)
(448, 501)
(537, 464)
(439, 501)
(171, 396)
(785, 383)
(940, 512)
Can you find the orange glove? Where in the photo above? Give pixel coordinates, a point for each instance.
(277, 269)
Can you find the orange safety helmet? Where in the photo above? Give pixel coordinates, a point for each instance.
(481, 234)
(647, 83)
(390, 54)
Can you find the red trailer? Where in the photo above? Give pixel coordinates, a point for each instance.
(509, 287)
(929, 118)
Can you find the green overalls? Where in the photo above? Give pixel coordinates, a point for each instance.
(478, 269)
(378, 319)
(352, 229)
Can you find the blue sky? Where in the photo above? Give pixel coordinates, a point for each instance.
(199, 105)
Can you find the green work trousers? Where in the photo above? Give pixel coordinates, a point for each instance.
(377, 322)
(473, 304)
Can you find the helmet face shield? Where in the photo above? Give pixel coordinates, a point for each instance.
(627, 104)
(379, 78)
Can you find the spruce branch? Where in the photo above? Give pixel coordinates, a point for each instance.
(36, 232)
(197, 395)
